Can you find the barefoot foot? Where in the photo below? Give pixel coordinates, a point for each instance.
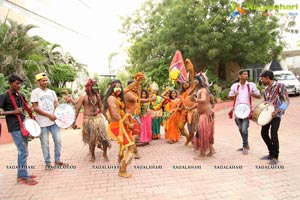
(106, 159)
(125, 174)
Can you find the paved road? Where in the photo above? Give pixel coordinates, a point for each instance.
(247, 177)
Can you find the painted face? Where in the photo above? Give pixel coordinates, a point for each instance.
(95, 88)
(186, 84)
(117, 91)
(118, 85)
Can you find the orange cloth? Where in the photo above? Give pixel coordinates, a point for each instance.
(123, 136)
(173, 132)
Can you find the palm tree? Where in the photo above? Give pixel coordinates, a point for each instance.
(16, 47)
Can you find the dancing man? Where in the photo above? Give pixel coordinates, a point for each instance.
(94, 131)
(120, 125)
(204, 139)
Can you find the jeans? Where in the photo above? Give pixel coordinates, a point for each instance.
(273, 142)
(243, 125)
(22, 147)
(44, 138)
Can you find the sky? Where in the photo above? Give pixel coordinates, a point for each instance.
(91, 32)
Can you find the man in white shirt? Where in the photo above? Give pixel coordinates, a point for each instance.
(242, 91)
(44, 102)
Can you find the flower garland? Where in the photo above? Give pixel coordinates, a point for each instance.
(122, 106)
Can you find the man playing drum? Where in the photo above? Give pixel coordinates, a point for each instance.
(276, 94)
(94, 131)
(44, 102)
(242, 91)
(13, 124)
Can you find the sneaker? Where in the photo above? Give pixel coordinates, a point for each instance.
(245, 151)
(268, 157)
(274, 161)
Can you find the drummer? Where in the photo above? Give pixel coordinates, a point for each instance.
(242, 91)
(13, 124)
(44, 102)
(276, 94)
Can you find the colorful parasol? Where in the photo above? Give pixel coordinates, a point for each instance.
(177, 71)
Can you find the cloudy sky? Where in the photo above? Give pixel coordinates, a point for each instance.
(90, 30)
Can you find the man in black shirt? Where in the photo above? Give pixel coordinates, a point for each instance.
(13, 125)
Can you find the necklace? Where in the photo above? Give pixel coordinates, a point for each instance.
(92, 102)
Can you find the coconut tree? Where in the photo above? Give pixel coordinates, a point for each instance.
(16, 47)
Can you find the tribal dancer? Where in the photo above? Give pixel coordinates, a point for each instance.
(120, 125)
(133, 101)
(93, 131)
(205, 130)
(188, 108)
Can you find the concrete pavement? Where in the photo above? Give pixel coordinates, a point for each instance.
(165, 171)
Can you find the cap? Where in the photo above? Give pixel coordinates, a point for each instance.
(40, 76)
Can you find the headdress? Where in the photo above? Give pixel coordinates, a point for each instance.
(88, 86)
(154, 86)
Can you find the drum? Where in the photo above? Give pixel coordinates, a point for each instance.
(65, 115)
(262, 113)
(32, 127)
(242, 110)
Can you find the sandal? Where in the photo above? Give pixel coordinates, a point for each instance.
(30, 176)
(61, 164)
(28, 181)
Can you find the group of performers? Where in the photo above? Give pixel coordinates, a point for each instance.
(133, 116)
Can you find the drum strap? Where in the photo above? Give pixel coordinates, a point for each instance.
(13, 101)
(238, 87)
(250, 100)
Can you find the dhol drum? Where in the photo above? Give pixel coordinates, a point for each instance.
(65, 115)
(262, 113)
(32, 127)
(242, 110)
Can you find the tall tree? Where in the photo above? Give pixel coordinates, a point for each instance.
(203, 31)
